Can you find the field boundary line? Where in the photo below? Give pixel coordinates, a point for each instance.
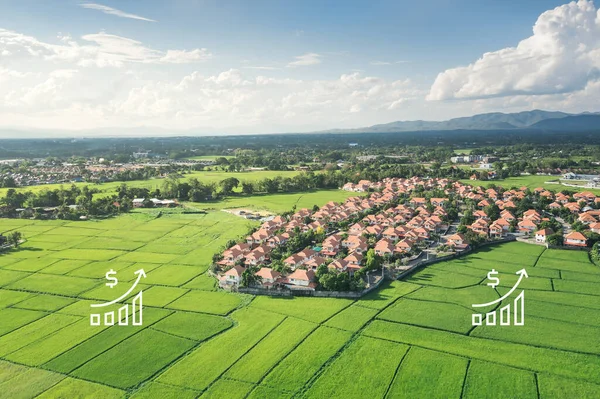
(107, 349)
(39, 339)
(261, 379)
(464, 384)
(389, 387)
(339, 352)
(222, 375)
(488, 361)
(537, 384)
(495, 339)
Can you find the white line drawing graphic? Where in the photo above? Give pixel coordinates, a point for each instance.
(123, 313)
(518, 306)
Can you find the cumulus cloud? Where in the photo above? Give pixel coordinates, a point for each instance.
(98, 49)
(561, 56)
(306, 60)
(114, 11)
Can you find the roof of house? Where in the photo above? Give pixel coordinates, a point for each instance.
(575, 235)
(301, 274)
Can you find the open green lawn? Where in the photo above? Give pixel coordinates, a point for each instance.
(410, 338)
(548, 182)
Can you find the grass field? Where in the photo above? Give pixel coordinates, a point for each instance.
(410, 338)
(531, 182)
(202, 176)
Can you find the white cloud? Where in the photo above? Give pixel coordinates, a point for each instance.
(99, 49)
(114, 11)
(120, 97)
(306, 60)
(381, 63)
(562, 56)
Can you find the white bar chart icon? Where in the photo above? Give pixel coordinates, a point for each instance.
(490, 319)
(123, 314)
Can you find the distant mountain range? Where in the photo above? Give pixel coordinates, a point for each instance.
(536, 120)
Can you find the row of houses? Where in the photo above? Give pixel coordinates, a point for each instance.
(580, 204)
(395, 230)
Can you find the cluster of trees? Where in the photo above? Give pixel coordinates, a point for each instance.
(13, 238)
(61, 203)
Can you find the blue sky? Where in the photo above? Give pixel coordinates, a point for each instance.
(265, 66)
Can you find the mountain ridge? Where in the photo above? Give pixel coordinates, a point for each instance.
(535, 119)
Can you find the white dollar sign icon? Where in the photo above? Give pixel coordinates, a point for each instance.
(495, 280)
(112, 280)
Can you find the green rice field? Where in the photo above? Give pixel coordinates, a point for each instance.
(409, 339)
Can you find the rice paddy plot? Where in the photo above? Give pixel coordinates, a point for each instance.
(31, 265)
(565, 265)
(196, 326)
(567, 364)
(64, 266)
(29, 383)
(48, 303)
(268, 352)
(460, 296)
(101, 342)
(71, 388)
(160, 296)
(219, 303)
(496, 381)
(362, 354)
(296, 369)
(157, 390)
(91, 269)
(227, 388)
(443, 316)
(87, 254)
(351, 318)
(316, 310)
(53, 284)
(441, 278)
(429, 374)
(9, 297)
(206, 363)
(108, 243)
(174, 275)
(146, 257)
(580, 287)
(567, 313)
(16, 318)
(34, 331)
(203, 282)
(135, 359)
(551, 386)
(48, 347)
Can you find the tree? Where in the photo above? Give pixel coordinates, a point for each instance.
(555, 239)
(373, 261)
(227, 185)
(247, 188)
(595, 252)
(249, 277)
(14, 238)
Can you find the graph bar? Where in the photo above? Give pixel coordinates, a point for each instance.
(519, 310)
(490, 319)
(109, 318)
(136, 309)
(124, 316)
(505, 315)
